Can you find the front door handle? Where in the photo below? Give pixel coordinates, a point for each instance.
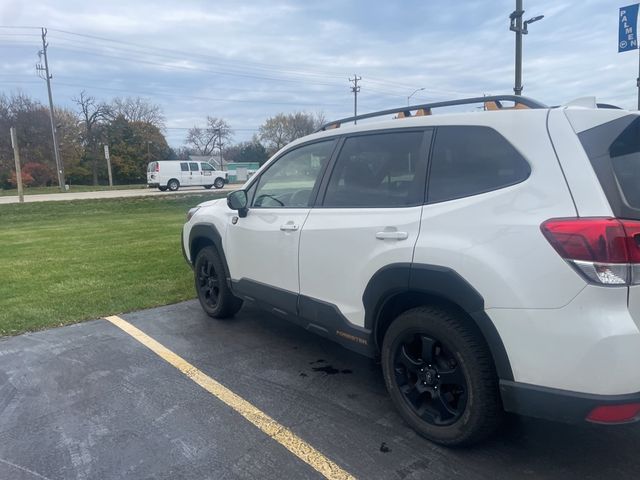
(390, 235)
(289, 227)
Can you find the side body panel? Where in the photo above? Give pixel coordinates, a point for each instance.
(340, 252)
(493, 240)
(258, 249)
(589, 197)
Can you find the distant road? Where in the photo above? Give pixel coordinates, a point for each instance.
(137, 192)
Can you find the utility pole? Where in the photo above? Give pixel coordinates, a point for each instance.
(520, 29)
(47, 77)
(516, 26)
(107, 157)
(355, 89)
(16, 155)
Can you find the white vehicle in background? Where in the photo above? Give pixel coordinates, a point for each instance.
(173, 174)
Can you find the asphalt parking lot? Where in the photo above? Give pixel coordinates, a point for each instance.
(90, 401)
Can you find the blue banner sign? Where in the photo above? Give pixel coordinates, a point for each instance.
(628, 32)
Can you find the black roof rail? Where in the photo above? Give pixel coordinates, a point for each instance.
(406, 111)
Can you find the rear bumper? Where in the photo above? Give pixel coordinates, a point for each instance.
(559, 405)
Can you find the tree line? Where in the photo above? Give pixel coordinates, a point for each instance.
(133, 128)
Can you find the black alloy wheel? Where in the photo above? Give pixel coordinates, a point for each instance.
(440, 375)
(208, 283)
(430, 380)
(214, 294)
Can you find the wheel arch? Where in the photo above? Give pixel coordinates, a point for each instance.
(397, 288)
(204, 235)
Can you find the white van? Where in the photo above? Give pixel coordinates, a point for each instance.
(173, 174)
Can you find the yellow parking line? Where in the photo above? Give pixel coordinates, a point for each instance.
(264, 422)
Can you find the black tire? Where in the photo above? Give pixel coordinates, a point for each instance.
(211, 285)
(162, 189)
(208, 187)
(451, 396)
(173, 184)
(219, 182)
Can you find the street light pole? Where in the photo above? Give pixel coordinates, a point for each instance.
(516, 26)
(520, 28)
(416, 91)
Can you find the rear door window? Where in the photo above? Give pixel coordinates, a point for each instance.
(379, 170)
(614, 151)
(469, 160)
(184, 166)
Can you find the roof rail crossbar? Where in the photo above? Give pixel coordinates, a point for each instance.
(427, 107)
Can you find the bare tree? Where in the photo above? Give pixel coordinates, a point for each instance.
(136, 109)
(92, 113)
(204, 141)
(281, 129)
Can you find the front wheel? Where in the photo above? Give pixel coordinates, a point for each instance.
(219, 182)
(441, 377)
(214, 294)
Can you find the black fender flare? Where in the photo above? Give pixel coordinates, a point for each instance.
(209, 232)
(436, 281)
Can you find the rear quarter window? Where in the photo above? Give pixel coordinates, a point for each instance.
(469, 160)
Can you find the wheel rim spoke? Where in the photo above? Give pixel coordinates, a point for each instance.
(452, 377)
(427, 346)
(208, 283)
(412, 394)
(410, 364)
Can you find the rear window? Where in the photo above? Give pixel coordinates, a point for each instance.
(151, 167)
(614, 151)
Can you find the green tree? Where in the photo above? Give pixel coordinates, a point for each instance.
(252, 151)
(132, 145)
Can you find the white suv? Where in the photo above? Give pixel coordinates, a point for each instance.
(491, 259)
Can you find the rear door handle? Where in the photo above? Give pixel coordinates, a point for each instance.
(289, 227)
(387, 235)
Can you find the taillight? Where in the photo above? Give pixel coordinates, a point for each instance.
(605, 250)
(157, 167)
(615, 413)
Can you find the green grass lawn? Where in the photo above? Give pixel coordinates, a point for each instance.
(72, 188)
(63, 262)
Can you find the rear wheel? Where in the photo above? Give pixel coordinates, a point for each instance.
(214, 294)
(173, 184)
(440, 376)
(162, 189)
(219, 182)
(208, 187)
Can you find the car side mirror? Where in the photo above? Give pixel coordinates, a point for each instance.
(237, 200)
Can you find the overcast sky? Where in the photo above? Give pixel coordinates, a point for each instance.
(247, 60)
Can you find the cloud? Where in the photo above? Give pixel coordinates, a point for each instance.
(248, 61)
